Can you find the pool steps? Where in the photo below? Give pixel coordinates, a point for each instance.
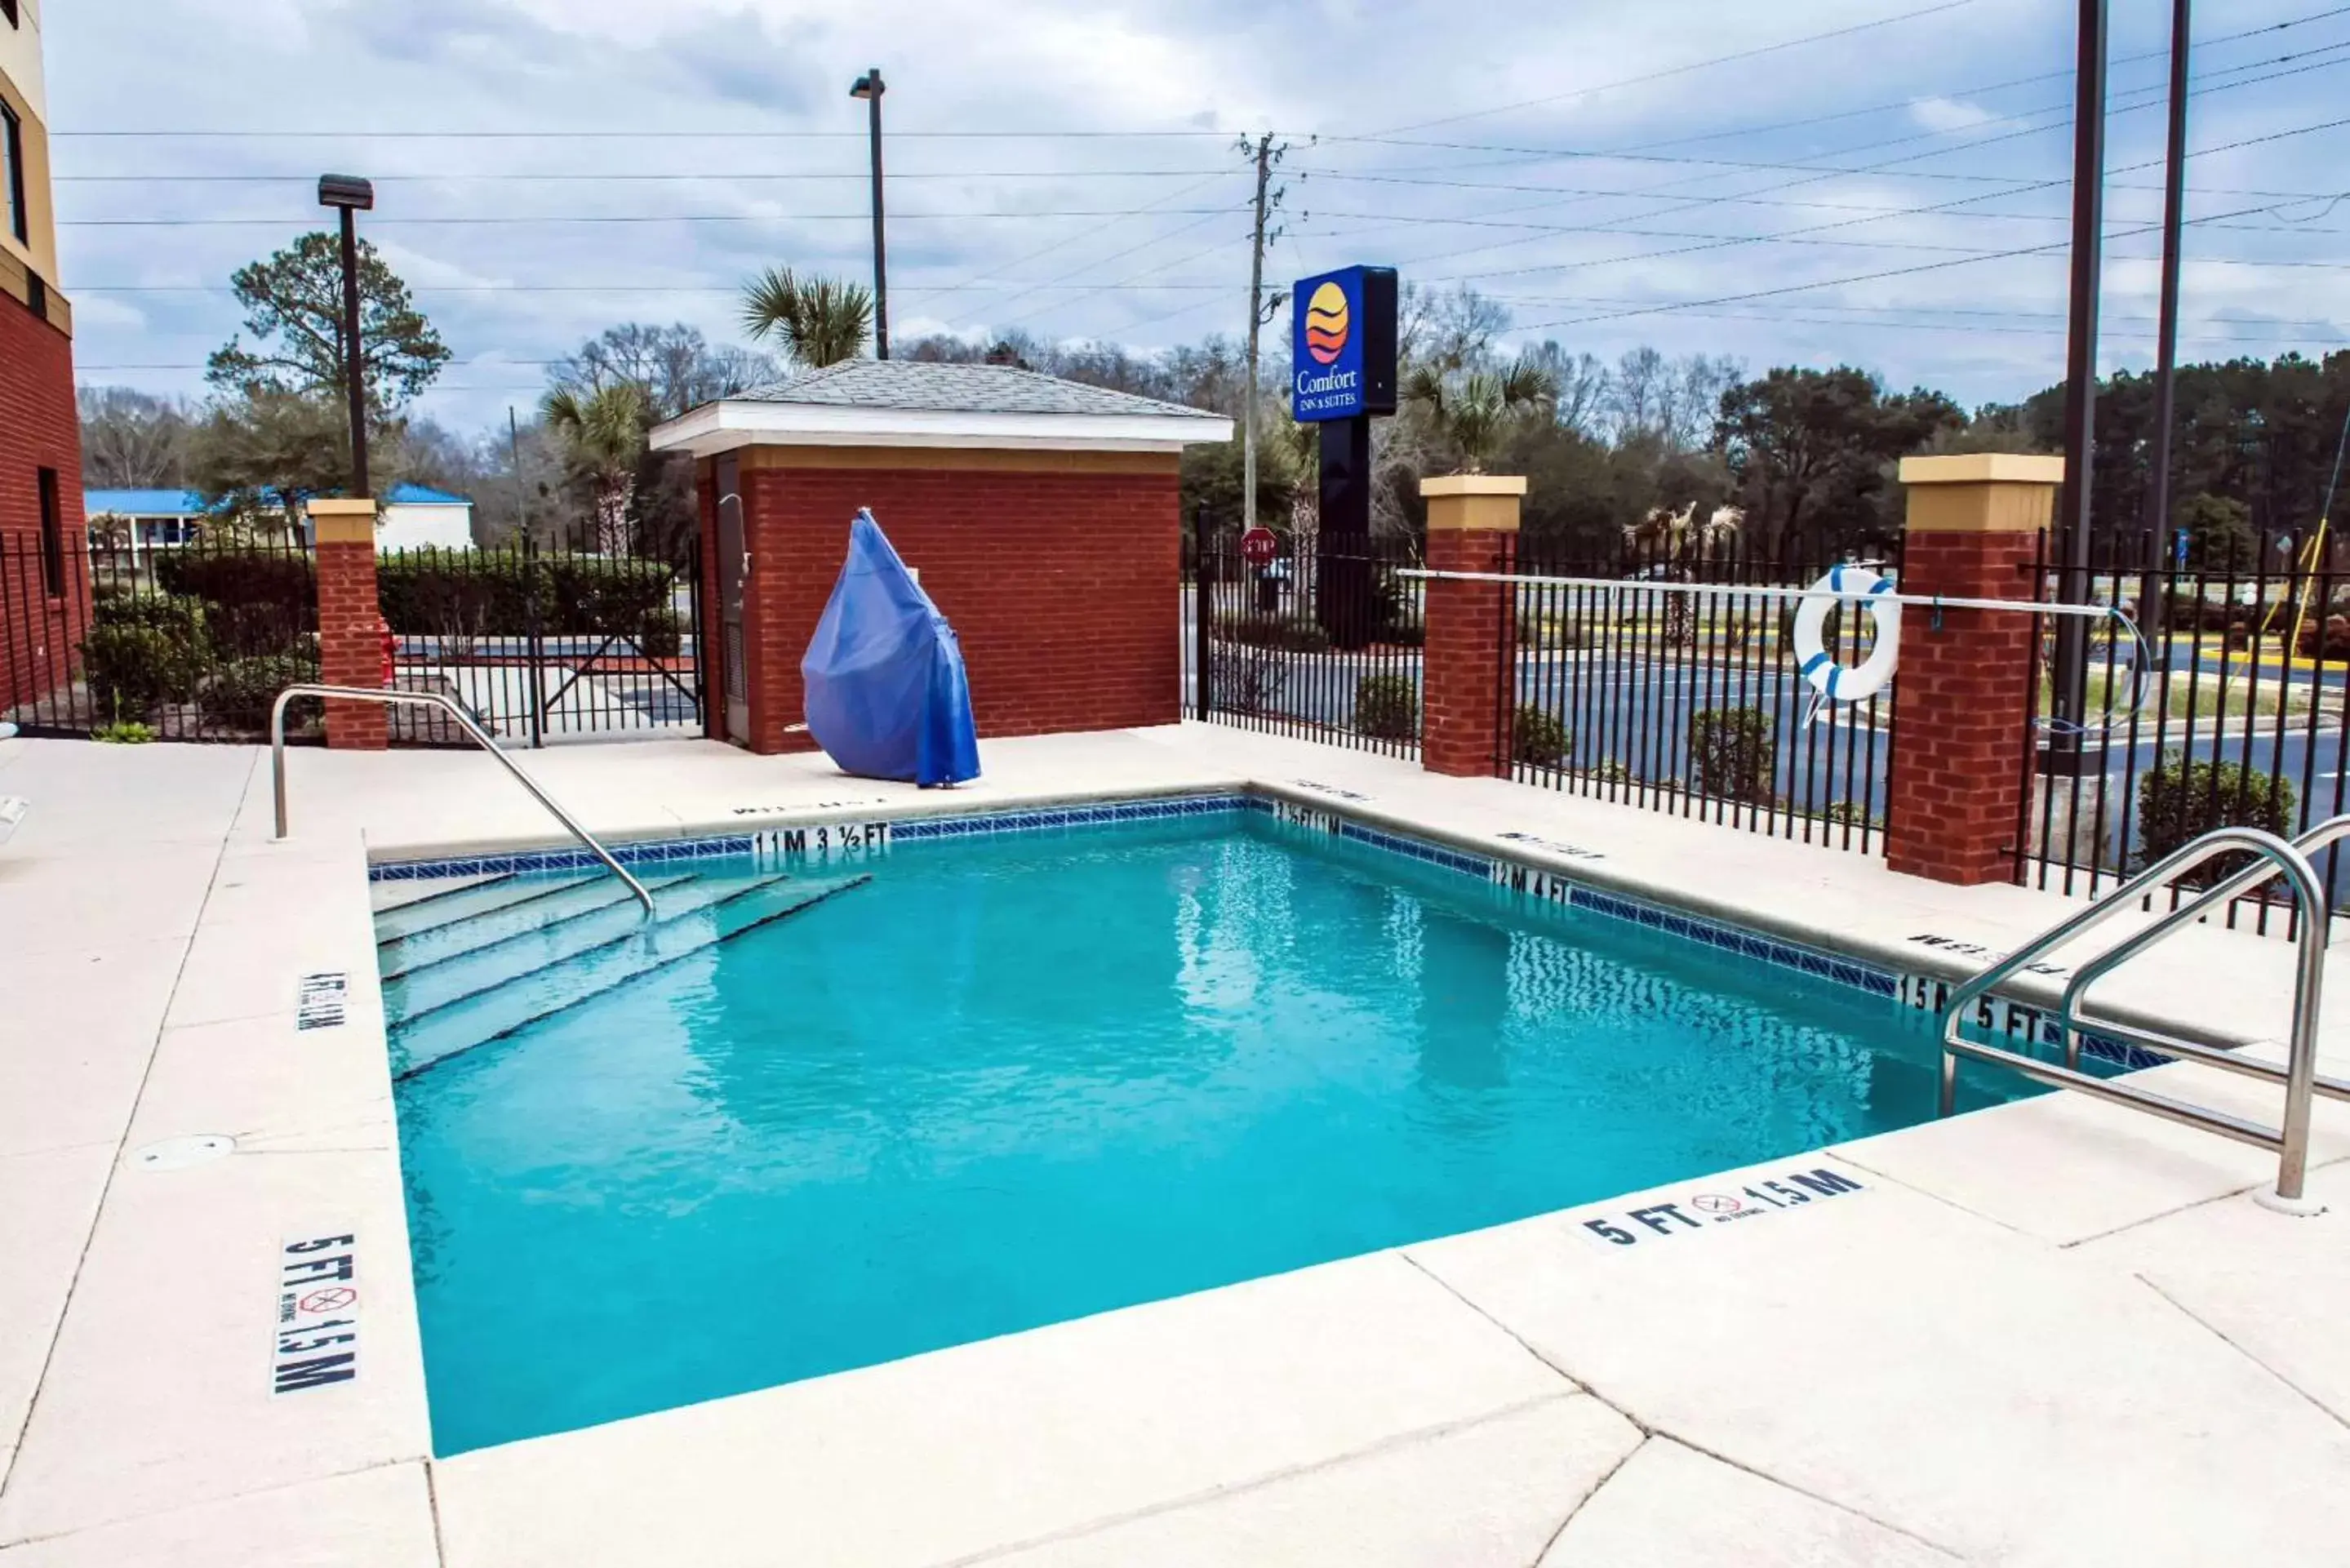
(539, 952)
(404, 958)
(461, 904)
(423, 1037)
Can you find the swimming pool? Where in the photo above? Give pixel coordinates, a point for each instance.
(834, 1111)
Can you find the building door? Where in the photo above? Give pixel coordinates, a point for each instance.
(734, 568)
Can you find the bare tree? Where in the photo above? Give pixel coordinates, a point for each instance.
(1448, 329)
(1582, 384)
(132, 439)
(677, 367)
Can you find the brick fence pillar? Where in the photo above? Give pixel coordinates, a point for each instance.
(1963, 745)
(1472, 526)
(350, 617)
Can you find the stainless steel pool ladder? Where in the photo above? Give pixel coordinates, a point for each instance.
(466, 721)
(2271, 857)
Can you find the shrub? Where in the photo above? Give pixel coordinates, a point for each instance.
(663, 634)
(131, 668)
(1732, 753)
(231, 577)
(172, 614)
(122, 733)
(1297, 633)
(242, 691)
(2179, 801)
(1539, 738)
(1387, 707)
(463, 594)
(257, 601)
(1394, 612)
(1242, 680)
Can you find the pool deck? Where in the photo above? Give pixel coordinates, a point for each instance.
(2055, 1332)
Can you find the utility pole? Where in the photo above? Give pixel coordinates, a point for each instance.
(1261, 311)
(2166, 358)
(2081, 384)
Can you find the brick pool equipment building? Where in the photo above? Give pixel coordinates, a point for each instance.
(1041, 515)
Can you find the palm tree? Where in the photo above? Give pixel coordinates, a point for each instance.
(821, 321)
(1474, 411)
(603, 430)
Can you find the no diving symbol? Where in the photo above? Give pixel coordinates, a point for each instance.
(1714, 1203)
(334, 1298)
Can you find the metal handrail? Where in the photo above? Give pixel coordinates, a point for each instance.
(2071, 1019)
(466, 721)
(2290, 1141)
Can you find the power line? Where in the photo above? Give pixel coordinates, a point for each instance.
(340, 134)
(377, 221)
(1864, 277)
(2013, 188)
(2163, 53)
(1670, 71)
(702, 176)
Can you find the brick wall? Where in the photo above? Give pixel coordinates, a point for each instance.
(1063, 587)
(1962, 750)
(1463, 718)
(350, 641)
(39, 428)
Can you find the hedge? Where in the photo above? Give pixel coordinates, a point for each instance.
(488, 594)
(1387, 708)
(1732, 753)
(2179, 801)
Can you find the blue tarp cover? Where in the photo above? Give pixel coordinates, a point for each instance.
(886, 696)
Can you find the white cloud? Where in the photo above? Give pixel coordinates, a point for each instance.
(1162, 212)
(1948, 114)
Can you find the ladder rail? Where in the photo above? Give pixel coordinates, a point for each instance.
(472, 729)
(2274, 856)
(2309, 843)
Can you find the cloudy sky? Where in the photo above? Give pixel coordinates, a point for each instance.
(1616, 174)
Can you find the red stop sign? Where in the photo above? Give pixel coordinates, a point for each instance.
(1258, 547)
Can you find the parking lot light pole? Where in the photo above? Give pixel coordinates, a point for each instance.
(349, 195)
(869, 87)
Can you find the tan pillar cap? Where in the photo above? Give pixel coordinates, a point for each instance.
(1981, 492)
(1474, 503)
(1983, 468)
(342, 520)
(1474, 485)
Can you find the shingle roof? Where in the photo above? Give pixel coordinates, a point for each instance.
(959, 388)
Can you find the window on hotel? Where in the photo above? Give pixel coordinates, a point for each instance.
(12, 172)
(8, 10)
(53, 535)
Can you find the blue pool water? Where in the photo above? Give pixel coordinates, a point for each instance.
(1012, 1081)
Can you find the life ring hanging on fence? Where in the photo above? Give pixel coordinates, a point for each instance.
(1824, 675)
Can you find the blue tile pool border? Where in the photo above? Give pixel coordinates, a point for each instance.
(1531, 883)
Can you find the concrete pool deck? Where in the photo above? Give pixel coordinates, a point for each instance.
(2053, 1332)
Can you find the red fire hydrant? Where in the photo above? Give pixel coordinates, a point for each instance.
(390, 648)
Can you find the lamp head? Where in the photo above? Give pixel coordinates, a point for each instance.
(868, 86)
(346, 191)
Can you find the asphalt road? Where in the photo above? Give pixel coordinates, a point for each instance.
(1635, 711)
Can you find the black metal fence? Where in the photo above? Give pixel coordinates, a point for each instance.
(1313, 638)
(1657, 678)
(132, 640)
(2226, 708)
(544, 644)
(193, 640)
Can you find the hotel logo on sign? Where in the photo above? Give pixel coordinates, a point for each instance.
(1342, 344)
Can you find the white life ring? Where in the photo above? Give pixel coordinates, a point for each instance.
(1824, 675)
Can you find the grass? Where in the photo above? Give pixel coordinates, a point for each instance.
(2197, 696)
